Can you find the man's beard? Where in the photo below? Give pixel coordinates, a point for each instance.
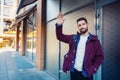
(83, 30)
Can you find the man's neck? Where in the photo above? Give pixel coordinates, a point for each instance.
(85, 34)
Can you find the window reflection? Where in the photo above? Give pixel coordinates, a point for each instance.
(8, 2)
(31, 37)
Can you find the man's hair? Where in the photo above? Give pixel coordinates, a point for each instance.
(82, 18)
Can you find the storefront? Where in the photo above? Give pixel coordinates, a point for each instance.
(38, 38)
(30, 51)
(26, 34)
(29, 26)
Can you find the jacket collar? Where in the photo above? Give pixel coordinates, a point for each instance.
(90, 37)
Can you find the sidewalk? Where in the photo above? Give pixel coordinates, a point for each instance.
(16, 67)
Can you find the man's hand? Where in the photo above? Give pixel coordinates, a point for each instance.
(60, 19)
(84, 73)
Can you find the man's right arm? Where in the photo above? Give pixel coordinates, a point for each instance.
(60, 36)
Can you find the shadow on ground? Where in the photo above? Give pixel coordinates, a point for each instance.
(16, 67)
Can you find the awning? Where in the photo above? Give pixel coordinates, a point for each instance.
(25, 14)
(24, 3)
(22, 16)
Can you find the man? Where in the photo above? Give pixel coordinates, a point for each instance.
(85, 52)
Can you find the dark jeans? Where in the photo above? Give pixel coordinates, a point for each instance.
(77, 75)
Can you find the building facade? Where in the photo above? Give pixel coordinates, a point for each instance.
(38, 40)
(7, 16)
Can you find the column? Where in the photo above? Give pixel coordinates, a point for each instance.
(40, 27)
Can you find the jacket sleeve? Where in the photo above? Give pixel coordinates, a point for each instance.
(98, 59)
(60, 36)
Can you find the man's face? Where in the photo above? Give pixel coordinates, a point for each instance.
(82, 26)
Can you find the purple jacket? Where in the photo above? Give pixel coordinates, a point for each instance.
(93, 52)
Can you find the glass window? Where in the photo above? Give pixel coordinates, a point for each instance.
(31, 37)
(8, 2)
(6, 11)
(0, 10)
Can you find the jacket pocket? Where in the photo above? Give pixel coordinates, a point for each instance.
(67, 63)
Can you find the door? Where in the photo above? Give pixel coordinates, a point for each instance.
(111, 38)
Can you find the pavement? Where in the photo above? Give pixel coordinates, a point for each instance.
(16, 67)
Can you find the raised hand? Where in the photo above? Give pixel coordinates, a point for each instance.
(60, 19)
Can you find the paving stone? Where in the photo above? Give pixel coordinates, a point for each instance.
(16, 67)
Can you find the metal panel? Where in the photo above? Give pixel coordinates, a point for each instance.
(102, 3)
(68, 5)
(65, 6)
(52, 44)
(99, 29)
(111, 37)
(52, 50)
(52, 9)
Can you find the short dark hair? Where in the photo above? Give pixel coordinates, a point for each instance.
(82, 18)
